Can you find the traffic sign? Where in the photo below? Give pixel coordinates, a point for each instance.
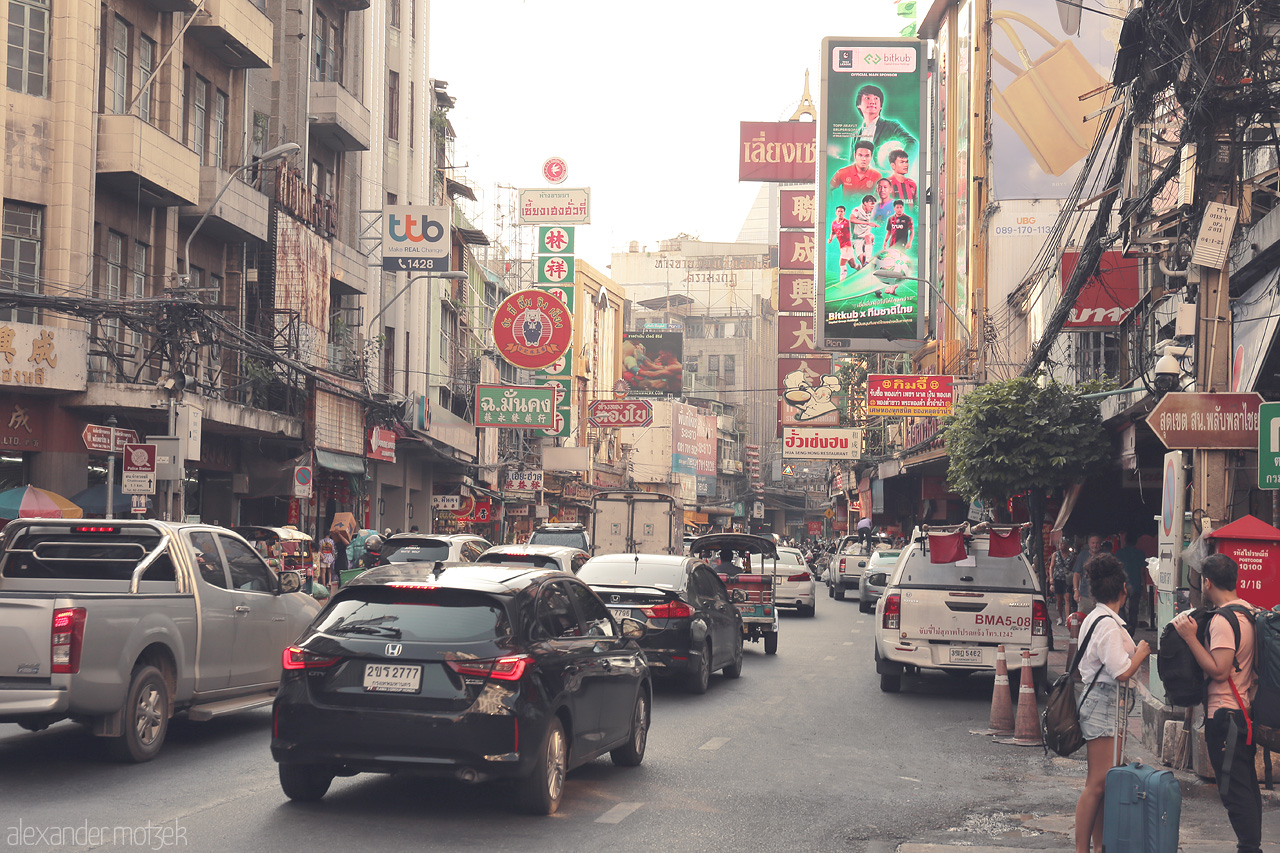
(302, 475)
(139, 504)
(98, 438)
(1200, 421)
(620, 413)
(138, 472)
(1269, 446)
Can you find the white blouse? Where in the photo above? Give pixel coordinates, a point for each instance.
(1110, 648)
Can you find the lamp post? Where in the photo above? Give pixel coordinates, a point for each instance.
(447, 275)
(889, 275)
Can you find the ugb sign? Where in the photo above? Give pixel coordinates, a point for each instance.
(416, 237)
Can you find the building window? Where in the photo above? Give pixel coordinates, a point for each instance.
(691, 364)
(29, 47)
(730, 370)
(1097, 355)
(21, 247)
(112, 283)
(138, 288)
(448, 329)
(393, 105)
(327, 41)
(411, 115)
(713, 365)
(389, 358)
(146, 66)
(413, 17)
(219, 127)
(118, 66)
(199, 116)
(395, 12)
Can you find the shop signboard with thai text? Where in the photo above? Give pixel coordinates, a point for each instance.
(34, 356)
(821, 443)
(446, 502)
(515, 406)
(909, 396)
(706, 450)
(771, 151)
(558, 206)
(382, 445)
(1189, 420)
(523, 481)
(620, 413)
(532, 329)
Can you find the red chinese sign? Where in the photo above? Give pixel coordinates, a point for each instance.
(620, 413)
(796, 209)
(1108, 296)
(796, 335)
(796, 291)
(911, 396)
(532, 329)
(777, 151)
(795, 250)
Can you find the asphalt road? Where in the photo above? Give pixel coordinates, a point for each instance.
(802, 753)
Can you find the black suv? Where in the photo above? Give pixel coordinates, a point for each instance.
(474, 673)
(569, 535)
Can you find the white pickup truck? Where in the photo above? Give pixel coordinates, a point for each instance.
(121, 624)
(951, 616)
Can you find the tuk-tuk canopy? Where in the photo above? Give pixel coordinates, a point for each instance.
(736, 542)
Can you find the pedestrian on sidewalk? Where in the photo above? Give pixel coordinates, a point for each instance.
(341, 539)
(1060, 563)
(1110, 658)
(1080, 581)
(1232, 680)
(1135, 569)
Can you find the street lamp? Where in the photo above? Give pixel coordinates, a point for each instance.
(890, 275)
(277, 153)
(447, 275)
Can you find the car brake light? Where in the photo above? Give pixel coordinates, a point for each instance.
(803, 576)
(668, 610)
(412, 585)
(67, 639)
(502, 669)
(296, 658)
(892, 612)
(1039, 619)
(842, 565)
(82, 529)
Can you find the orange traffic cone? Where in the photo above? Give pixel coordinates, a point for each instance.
(1001, 705)
(1026, 731)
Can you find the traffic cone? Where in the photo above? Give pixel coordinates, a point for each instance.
(1001, 723)
(1026, 731)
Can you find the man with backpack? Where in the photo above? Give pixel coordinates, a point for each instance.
(1228, 665)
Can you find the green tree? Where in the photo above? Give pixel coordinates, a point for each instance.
(1018, 435)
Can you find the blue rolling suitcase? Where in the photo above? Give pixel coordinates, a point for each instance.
(1142, 805)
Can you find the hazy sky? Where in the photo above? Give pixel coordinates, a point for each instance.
(642, 100)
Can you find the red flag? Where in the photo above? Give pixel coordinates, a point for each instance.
(1008, 544)
(946, 547)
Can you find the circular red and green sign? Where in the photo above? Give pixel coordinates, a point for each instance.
(532, 329)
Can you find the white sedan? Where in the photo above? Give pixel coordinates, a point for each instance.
(796, 586)
(560, 557)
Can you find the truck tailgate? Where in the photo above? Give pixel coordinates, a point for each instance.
(25, 629)
(966, 616)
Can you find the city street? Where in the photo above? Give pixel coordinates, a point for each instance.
(803, 752)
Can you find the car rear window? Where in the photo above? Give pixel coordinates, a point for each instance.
(417, 551)
(538, 561)
(978, 571)
(633, 573)
(416, 615)
(567, 538)
(65, 554)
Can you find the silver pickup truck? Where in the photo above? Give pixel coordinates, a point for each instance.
(121, 624)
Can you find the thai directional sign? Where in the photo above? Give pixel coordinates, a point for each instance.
(138, 469)
(620, 413)
(1269, 446)
(1200, 421)
(98, 438)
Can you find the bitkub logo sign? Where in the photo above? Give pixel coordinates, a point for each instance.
(532, 329)
(416, 237)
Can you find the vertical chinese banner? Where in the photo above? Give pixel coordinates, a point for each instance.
(555, 272)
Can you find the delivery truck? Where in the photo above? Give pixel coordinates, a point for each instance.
(632, 522)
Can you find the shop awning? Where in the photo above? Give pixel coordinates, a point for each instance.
(339, 462)
(1254, 317)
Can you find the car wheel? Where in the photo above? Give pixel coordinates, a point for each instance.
(831, 591)
(890, 683)
(633, 753)
(697, 681)
(306, 783)
(145, 716)
(771, 643)
(541, 790)
(807, 610)
(864, 606)
(734, 670)
(839, 592)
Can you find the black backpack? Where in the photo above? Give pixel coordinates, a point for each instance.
(1180, 673)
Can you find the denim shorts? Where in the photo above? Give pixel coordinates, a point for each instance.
(1098, 711)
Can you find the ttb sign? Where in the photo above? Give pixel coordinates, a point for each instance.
(416, 237)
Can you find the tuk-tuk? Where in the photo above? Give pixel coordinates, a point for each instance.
(287, 544)
(751, 591)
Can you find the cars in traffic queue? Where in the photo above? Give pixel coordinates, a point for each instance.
(691, 625)
(428, 548)
(796, 586)
(121, 624)
(560, 557)
(950, 611)
(566, 534)
(751, 592)
(844, 570)
(472, 673)
(875, 577)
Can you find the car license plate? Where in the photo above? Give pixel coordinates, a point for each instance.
(619, 615)
(392, 678)
(965, 654)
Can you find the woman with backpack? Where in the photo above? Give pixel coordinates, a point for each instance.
(1108, 659)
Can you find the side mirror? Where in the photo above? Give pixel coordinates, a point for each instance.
(633, 629)
(290, 581)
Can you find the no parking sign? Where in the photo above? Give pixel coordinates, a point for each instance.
(302, 476)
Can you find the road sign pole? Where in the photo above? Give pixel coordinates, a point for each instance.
(111, 466)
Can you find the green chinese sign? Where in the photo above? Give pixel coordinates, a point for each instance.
(555, 240)
(870, 199)
(515, 406)
(555, 269)
(563, 389)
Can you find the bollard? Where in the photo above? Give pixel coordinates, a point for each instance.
(1001, 704)
(1026, 731)
(1073, 628)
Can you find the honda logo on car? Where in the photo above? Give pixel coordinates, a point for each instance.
(811, 443)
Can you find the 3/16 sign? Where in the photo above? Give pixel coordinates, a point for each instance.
(1269, 446)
